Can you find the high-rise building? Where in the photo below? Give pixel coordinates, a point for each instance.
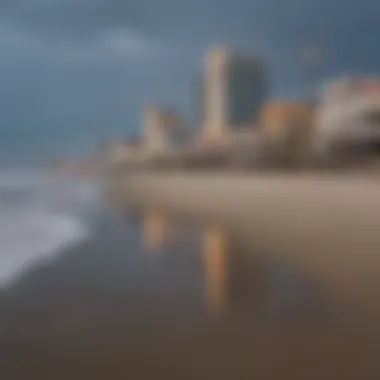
(198, 102)
(234, 89)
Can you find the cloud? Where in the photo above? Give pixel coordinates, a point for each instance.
(128, 43)
(69, 18)
(122, 44)
(14, 40)
(64, 92)
(74, 70)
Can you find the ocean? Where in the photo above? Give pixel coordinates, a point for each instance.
(40, 217)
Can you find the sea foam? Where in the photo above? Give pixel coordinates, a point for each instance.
(40, 217)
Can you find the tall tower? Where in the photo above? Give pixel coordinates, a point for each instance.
(234, 88)
(198, 102)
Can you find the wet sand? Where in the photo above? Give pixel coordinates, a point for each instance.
(166, 293)
(326, 226)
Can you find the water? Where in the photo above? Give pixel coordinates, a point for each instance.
(39, 218)
(99, 291)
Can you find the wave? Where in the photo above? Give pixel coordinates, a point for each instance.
(40, 216)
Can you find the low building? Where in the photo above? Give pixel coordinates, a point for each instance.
(123, 153)
(288, 129)
(349, 113)
(277, 117)
(164, 129)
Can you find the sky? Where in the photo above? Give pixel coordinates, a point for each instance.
(74, 73)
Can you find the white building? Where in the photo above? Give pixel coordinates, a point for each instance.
(349, 111)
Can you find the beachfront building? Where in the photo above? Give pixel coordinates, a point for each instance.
(164, 130)
(234, 88)
(349, 114)
(197, 104)
(287, 128)
(278, 117)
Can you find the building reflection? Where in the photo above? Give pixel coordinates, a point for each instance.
(156, 231)
(238, 283)
(234, 280)
(215, 256)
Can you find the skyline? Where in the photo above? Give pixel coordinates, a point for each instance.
(74, 73)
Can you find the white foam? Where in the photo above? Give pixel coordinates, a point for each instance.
(39, 218)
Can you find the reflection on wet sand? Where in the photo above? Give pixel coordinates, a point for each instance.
(156, 231)
(100, 312)
(240, 277)
(235, 281)
(215, 264)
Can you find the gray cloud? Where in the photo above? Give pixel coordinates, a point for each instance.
(287, 17)
(70, 19)
(75, 71)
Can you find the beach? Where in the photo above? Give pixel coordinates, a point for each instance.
(153, 292)
(325, 225)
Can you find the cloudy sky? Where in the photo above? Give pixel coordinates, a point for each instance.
(75, 72)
